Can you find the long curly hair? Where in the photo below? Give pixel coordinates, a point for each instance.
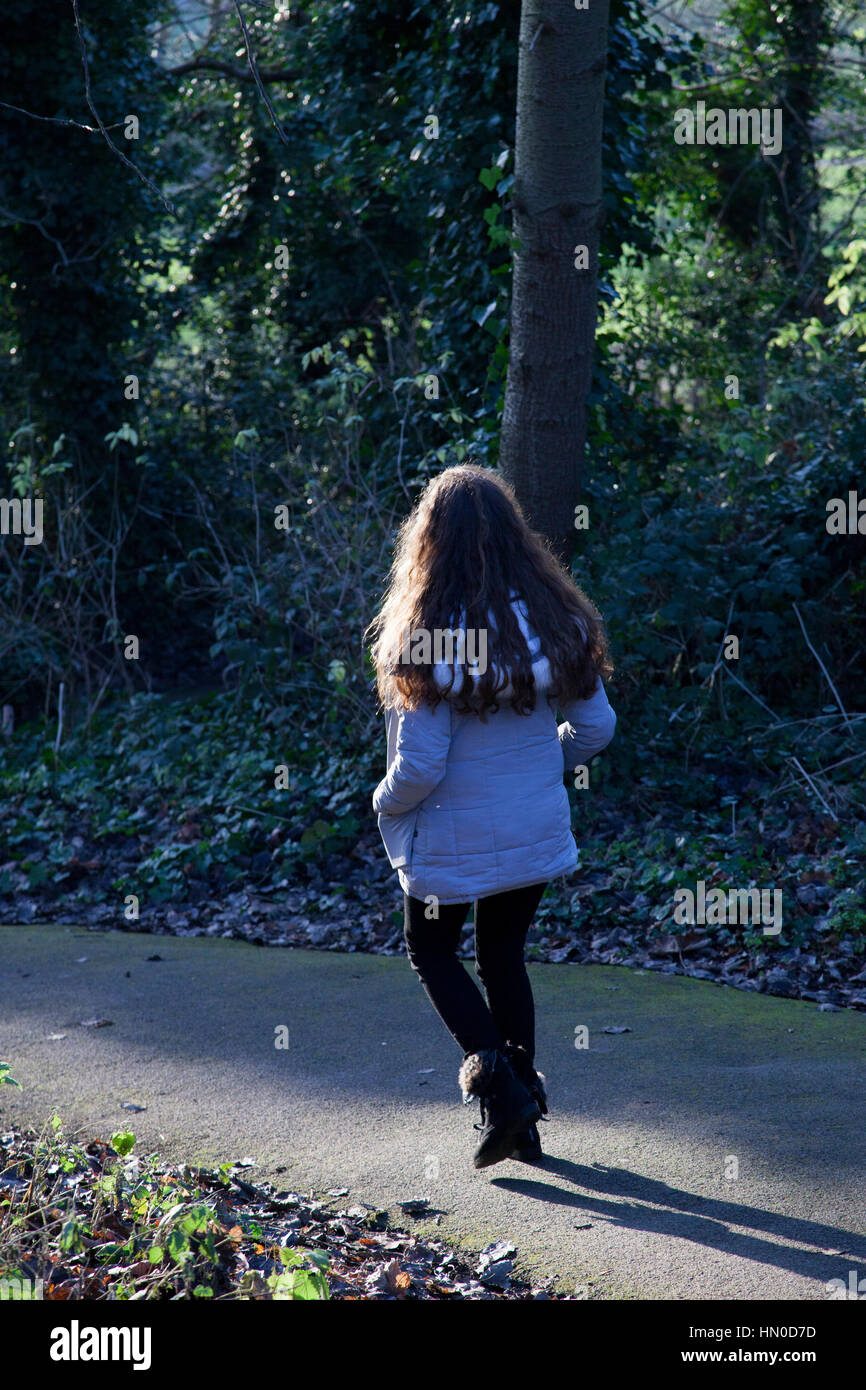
(461, 554)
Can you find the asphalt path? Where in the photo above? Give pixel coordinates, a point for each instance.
(715, 1150)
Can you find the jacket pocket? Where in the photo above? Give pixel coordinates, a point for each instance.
(398, 836)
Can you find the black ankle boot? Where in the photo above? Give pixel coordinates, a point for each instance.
(507, 1106)
(527, 1147)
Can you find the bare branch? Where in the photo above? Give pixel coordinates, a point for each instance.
(96, 116)
(54, 120)
(823, 667)
(257, 75)
(11, 219)
(736, 679)
(228, 70)
(815, 789)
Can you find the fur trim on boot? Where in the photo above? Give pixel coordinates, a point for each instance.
(475, 1074)
(507, 1107)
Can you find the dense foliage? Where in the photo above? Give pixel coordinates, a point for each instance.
(228, 369)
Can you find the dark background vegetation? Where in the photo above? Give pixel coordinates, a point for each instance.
(304, 387)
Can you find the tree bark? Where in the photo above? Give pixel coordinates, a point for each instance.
(557, 207)
(806, 35)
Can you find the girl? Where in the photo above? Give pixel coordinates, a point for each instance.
(482, 634)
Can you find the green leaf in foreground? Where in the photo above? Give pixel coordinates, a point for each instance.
(123, 1142)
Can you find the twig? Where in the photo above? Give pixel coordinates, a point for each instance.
(841, 762)
(823, 668)
(256, 74)
(253, 812)
(55, 120)
(93, 706)
(59, 718)
(227, 70)
(718, 661)
(96, 116)
(816, 719)
(755, 697)
(400, 446)
(543, 24)
(798, 764)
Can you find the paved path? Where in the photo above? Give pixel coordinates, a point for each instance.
(638, 1198)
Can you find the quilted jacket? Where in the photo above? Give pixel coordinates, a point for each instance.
(466, 808)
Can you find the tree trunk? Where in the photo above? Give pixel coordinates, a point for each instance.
(557, 208)
(797, 190)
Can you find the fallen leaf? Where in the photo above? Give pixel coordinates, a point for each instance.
(667, 945)
(415, 1206)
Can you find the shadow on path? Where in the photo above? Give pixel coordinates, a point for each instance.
(704, 1220)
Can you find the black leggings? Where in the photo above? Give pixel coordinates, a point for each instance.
(501, 924)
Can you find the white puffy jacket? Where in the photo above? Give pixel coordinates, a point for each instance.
(467, 808)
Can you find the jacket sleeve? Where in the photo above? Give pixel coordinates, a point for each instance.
(423, 740)
(588, 727)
